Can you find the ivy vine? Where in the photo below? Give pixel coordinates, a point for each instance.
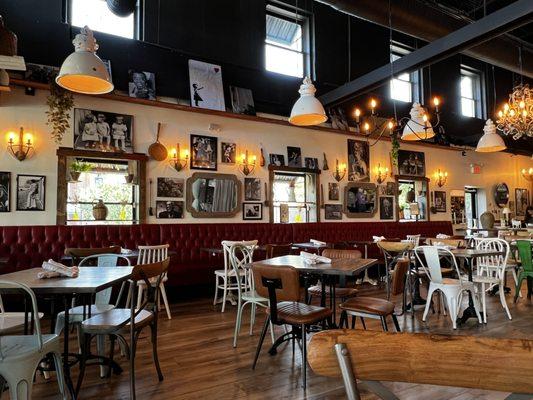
(60, 102)
(395, 148)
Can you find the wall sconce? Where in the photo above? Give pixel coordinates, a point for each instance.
(381, 174)
(527, 174)
(247, 164)
(340, 171)
(22, 150)
(179, 159)
(440, 178)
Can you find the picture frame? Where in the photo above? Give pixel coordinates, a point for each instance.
(203, 152)
(337, 117)
(170, 187)
(277, 160)
(31, 192)
(360, 200)
(311, 163)
(242, 100)
(169, 209)
(358, 161)
(5, 191)
(141, 85)
(228, 153)
(521, 200)
(205, 84)
(294, 156)
(252, 211)
(411, 163)
(333, 211)
(252, 189)
(440, 200)
(333, 191)
(386, 208)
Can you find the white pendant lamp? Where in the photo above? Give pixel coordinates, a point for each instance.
(307, 110)
(490, 142)
(83, 71)
(417, 127)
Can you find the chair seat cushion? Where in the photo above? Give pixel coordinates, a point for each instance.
(254, 297)
(369, 305)
(295, 313)
(485, 279)
(221, 272)
(153, 281)
(114, 318)
(340, 292)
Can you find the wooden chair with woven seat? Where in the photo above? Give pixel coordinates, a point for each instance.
(281, 285)
(277, 250)
(119, 322)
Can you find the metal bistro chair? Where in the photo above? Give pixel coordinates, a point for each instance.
(392, 252)
(524, 251)
(79, 253)
(21, 355)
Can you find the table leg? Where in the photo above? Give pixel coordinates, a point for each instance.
(470, 311)
(366, 278)
(67, 300)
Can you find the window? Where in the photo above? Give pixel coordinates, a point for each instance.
(294, 197)
(471, 93)
(404, 87)
(412, 200)
(96, 15)
(286, 42)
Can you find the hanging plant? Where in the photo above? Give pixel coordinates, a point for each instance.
(395, 147)
(60, 102)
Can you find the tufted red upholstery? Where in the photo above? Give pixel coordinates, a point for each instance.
(28, 246)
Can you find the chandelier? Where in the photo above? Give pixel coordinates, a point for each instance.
(516, 118)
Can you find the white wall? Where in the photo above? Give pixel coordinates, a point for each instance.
(17, 109)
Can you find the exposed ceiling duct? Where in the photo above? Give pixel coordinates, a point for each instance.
(428, 24)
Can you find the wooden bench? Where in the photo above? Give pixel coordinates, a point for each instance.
(460, 361)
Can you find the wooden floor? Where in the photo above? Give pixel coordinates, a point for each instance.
(199, 362)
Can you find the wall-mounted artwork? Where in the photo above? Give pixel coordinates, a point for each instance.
(522, 201)
(358, 161)
(333, 211)
(411, 163)
(333, 191)
(141, 84)
(31, 192)
(242, 100)
(252, 211)
(5, 191)
(229, 152)
(206, 88)
(390, 189)
(294, 156)
(277, 160)
(170, 187)
(204, 152)
(252, 189)
(103, 131)
(40, 73)
(338, 119)
(311, 163)
(360, 200)
(169, 209)
(386, 207)
(440, 201)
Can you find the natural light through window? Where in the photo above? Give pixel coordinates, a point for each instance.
(402, 87)
(284, 47)
(97, 16)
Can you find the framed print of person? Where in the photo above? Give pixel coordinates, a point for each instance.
(311, 163)
(360, 199)
(31, 192)
(440, 201)
(169, 209)
(229, 152)
(252, 211)
(103, 131)
(204, 152)
(522, 201)
(206, 85)
(386, 207)
(333, 191)
(5, 191)
(170, 187)
(358, 161)
(252, 189)
(333, 211)
(411, 163)
(141, 85)
(294, 156)
(277, 160)
(242, 100)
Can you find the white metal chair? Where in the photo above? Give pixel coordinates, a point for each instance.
(452, 289)
(21, 355)
(491, 271)
(414, 239)
(226, 278)
(150, 255)
(11, 321)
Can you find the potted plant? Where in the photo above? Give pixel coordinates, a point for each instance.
(77, 167)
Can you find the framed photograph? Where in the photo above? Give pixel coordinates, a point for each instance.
(169, 209)
(522, 201)
(206, 88)
(386, 207)
(252, 189)
(229, 152)
(411, 163)
(141, 84)
(333, 211)
(338, 119)
(358, 161)
(278, 160)
(170, 187)
(103, 131)
(242, 101)
(40, 73)
(333, 191)
(31, 192)
(311, 163)
(204, 152)
(440, 201)
(390, 188)
(294, 156)
(360, 200)
(252, 211)
(5, 191)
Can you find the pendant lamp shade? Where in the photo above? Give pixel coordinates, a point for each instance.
(83, 71)
(490, 142)
(417, 127)
(307, 110)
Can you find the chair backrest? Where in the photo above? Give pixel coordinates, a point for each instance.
(240, 257)
(489, 264)
(431, 261)
(340, 253)
(398, 276)
(414, 239)
(394, 250)
(152, 254)
(278, 250)
(446, 242)
(448, 360)
(226, 246)
(524, 252)
(79, 253)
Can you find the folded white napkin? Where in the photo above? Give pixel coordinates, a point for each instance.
(442, 236)
(378, 238)
(310, 258)
(52, 269)
(318, 242)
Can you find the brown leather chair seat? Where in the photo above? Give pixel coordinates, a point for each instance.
(295, 313)
(340, 292)
(369, 305)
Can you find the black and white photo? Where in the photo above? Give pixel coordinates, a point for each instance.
(31, 192)
(228, 152)
(361, 198)
(252, 189)
(206, 89)
(204, 152)
(440, 201)
(5, 191)
(338, 119)
(103, 131)
(277, 160)
(522, 201)
(386, 207)
(311, 163)
(242, 100)
(390, 189)
(252, 211)
(294, 156)
(333, 191)
(169, 209)
(170, 187)
(141, 85)
(333, 211)
(358, 161)
(411, 163)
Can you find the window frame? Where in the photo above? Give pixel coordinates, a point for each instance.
(478, 91)
(415, 78)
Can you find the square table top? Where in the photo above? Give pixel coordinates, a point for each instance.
(339, 266)
(474, 253)
(90, 280)
(309, 245)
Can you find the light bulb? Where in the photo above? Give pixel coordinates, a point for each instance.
(425, 118)
(524, 113)
(373, 104)
(522, 104)
(186, 153)
(367, 127)
(500, 114)
(436, 101)
(506, 107)
(512, 113)
(357, 112)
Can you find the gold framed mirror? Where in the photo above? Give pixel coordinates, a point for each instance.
(211, 195)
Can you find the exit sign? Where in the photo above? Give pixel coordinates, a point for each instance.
(475, 169)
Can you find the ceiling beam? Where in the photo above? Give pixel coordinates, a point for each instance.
(503, 20)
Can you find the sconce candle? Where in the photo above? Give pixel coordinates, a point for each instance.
(20, 150)
(247, 163)
(381, 174)
(440, 178)
(527, 174)
(340, 171)
(179, 159)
